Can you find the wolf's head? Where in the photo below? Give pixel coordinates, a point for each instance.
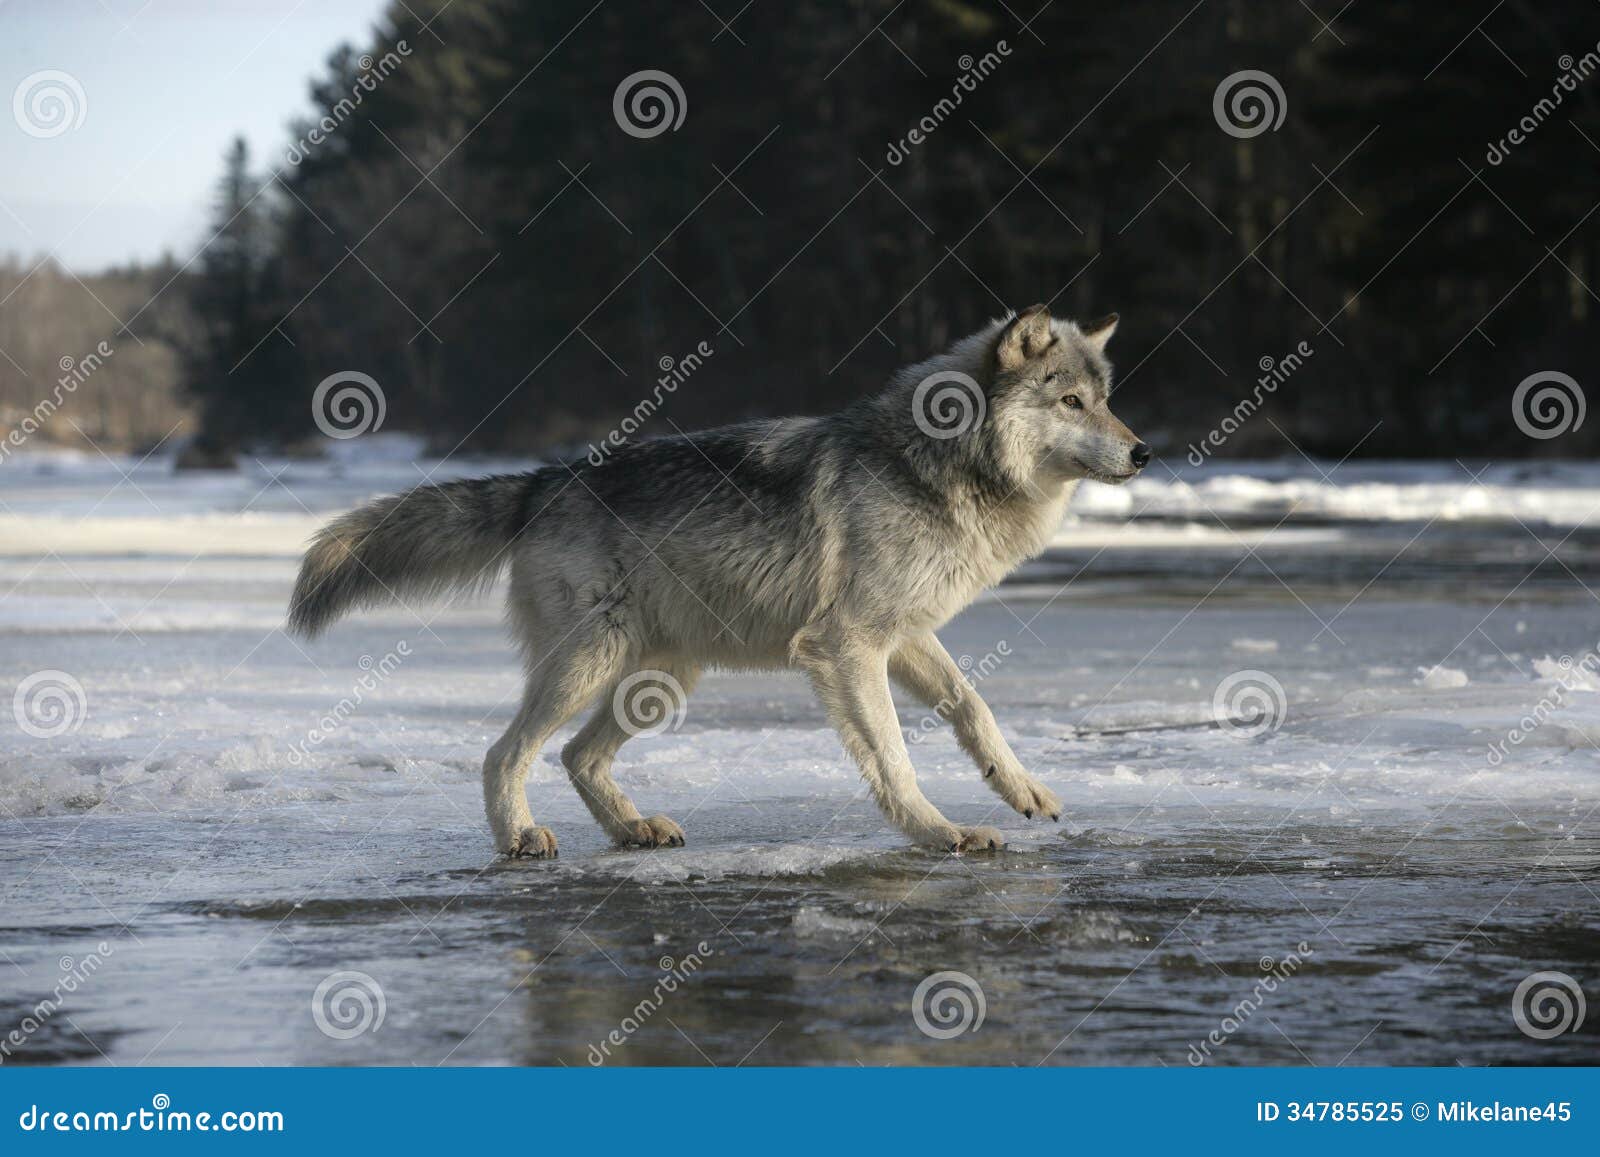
(1049, 396)
(1020, 407)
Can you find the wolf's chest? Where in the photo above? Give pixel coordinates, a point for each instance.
(1000, 540)
(985, 552)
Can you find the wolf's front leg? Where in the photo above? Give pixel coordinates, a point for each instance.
(851, 679)
(922, 666)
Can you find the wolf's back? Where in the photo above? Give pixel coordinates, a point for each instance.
(416, 544)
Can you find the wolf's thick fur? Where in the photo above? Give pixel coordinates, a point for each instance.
(835, 545)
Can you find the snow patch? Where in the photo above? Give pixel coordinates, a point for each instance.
(1441, 678)
(1255, 646)
(1570, 675)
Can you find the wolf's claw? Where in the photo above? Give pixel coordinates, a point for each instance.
(655, 832)
(534, 844)
(1026, 795)
(980, 839)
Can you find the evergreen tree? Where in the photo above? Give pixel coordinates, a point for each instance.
(239, 366)
(465, 219)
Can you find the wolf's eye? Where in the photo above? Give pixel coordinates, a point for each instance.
(1072, 402)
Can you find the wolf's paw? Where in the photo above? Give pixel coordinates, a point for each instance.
(533, 844)
(979, 839)
(655, 832)
(1028, 796)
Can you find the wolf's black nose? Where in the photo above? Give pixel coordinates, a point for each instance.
(1140, 455)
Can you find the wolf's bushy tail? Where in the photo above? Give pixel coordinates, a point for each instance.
(419, 543)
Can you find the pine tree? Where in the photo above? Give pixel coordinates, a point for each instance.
(238, 367)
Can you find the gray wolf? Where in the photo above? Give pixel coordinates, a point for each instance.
(834, 545)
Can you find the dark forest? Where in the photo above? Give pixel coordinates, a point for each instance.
(841, 188)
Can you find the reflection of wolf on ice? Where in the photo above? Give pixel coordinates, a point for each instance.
(835, 545)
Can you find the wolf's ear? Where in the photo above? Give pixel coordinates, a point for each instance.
(1099, 331)
(1026, 337)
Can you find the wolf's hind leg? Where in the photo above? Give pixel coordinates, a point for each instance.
(852, 681)
(558, 688)
(587, 757)
(922, 666)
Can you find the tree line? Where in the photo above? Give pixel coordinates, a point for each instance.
(516, 217)
(69, 371)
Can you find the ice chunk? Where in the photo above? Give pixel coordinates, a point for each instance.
(1255, 646)
(1575, 676)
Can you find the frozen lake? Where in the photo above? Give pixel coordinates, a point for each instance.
(1365, 874)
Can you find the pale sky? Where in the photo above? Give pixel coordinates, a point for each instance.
(165, 86)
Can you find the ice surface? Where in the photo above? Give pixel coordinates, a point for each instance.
(1542, 494)
(1419, 805)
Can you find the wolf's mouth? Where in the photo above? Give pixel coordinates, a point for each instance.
(1094, 475)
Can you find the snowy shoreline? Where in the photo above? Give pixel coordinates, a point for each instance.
(73, 504)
